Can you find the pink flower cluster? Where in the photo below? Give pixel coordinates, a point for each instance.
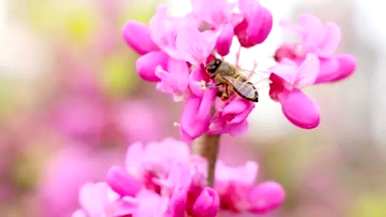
(311, 60)
(158, 182)
(175, 50)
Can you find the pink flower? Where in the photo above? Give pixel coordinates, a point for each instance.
(81, 118)
(71, 167)
(217, 13)
(196, 116)
(239, 193)
(231, 116)
(137, 36)
(287, 79)
(121, 182)
(175, 80)
(321, 40)
(256, 25)
(147, 64)
(310, 61)
(217, 16)
(98, 200)
(164, 179)
(176, 50)
(206, 204)
(134, 127)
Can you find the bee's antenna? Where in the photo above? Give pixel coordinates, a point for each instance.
(254, 70)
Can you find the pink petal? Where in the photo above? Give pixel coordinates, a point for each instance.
(179, 180)
(300, 109)
(215, 13)
(276, 86)
(235, 129)
(235, 106)
(137, 36)
(257, 24)
(241, 117)
(244, 175)
(159, 154)
(239, 108)
(311, 30)
(337, 68)
(163, 31)
(308, 71)
(231, 116)
(134, 159)
(266, 197)
(224, 41)
(286, 70)
(207, 204)
(150, 204)
(123, 207)
(176, 79)
(121, 182)
(196, 115)
(146, 65)
(347, 66)
(93, 198)
(195, 46)
(79, 213)
(195, 78)
(285, 51)
(330, 43)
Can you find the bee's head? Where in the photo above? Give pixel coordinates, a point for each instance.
(212, 66)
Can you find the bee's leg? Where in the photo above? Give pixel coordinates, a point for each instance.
(220, 89)
(227, 92)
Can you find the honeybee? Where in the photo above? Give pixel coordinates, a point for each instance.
(228, 80)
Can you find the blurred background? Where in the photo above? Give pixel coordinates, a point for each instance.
(71, 103)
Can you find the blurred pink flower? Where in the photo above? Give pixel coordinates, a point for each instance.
(133, 127)
(239, 193)
(322, 40)
(175, 50)
(166, 179)
(64, 175)
(98, 200)
(81, 118)
(308, 62)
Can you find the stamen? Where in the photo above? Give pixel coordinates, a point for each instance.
(238, 54)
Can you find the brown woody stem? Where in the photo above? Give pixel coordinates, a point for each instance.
(208, 147)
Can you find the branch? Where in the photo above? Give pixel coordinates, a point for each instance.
(208, 147)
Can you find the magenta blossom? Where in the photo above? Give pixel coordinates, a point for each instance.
(71, 167)
(312, 60)
(156, 181)
(175, 50)
(239, 193)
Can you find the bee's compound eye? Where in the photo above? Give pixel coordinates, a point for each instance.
(211, 67)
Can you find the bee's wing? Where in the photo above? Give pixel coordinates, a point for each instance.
(244, 88)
